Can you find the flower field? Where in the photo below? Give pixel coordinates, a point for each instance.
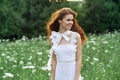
(26, 59)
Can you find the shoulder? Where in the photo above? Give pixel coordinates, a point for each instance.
(53, 36)
(77, 38)
(77, 35)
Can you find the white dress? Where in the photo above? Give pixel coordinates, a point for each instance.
(66, 57)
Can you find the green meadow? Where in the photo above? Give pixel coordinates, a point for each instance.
(26, 59)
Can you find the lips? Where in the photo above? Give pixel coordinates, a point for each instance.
(69, 26)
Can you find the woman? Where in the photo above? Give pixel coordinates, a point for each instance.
(67, 39)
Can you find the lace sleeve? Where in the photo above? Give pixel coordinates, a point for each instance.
(74, 38)
(52, 37)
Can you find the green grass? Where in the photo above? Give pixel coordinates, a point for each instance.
(24, 59)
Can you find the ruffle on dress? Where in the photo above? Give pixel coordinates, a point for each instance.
(74, 38)
(53, 37)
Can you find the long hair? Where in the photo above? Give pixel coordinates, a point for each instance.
(53, 24)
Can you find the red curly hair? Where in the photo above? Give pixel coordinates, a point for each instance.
(53, 24)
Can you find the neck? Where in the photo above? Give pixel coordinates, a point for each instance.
(62, 30)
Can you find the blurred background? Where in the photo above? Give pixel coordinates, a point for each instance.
(29, 17)
(24, 49)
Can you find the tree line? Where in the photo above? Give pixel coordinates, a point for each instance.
(29, 17)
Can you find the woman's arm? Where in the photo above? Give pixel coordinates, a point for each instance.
(78, 57)
(53, 67)
(53, 64)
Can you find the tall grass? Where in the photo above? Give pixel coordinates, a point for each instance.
(25, 59)
(101, 57)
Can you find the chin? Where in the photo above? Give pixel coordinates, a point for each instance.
(69, 27)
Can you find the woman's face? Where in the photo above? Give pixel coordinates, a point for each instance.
(66, 22)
